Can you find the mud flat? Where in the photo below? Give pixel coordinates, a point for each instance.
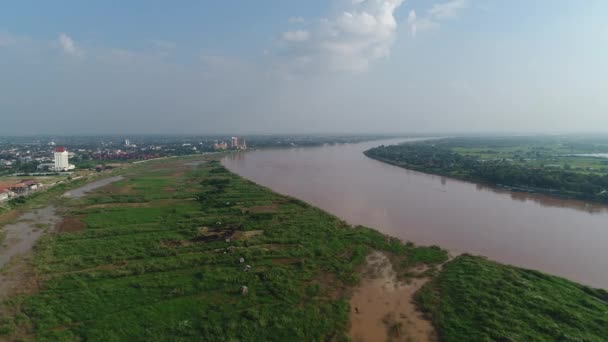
(382, 307)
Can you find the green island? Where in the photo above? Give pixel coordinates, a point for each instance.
(184, 250)
(563, 166)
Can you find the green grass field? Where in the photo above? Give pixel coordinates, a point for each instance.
(156, 257)
(474, 299)
(156, 261)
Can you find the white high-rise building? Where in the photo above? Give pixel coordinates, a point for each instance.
(62, 159)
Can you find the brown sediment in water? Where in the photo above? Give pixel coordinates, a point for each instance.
(382, 307)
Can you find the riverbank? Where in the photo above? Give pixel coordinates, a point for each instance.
(533, 165)
(191, 251)
(556, 236)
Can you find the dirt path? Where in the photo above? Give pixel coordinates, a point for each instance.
(382, 307)
(83, 190)
(21, 236)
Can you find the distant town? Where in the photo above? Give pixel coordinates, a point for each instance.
(30, 164)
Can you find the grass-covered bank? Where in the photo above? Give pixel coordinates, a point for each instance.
(567, 167)
(157, 256)
(474, 299)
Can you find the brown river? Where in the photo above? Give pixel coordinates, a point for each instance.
(561, 237)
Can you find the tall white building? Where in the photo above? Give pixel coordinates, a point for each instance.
(62, 159)
(239, 143)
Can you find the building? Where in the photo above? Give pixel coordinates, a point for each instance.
(220, 145)
(4, 194)
(62, 160)
(24, 186)
(239, 143)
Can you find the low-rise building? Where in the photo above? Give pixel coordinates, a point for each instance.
(5, 194)
(220, 145)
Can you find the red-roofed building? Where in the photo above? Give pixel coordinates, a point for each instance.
(62, 159)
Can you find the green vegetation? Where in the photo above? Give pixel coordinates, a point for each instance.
(157, 257)
(553, 165)
(474, 299)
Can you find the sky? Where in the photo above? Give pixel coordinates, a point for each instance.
(303, 66)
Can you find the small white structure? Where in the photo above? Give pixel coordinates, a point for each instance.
(62, 159)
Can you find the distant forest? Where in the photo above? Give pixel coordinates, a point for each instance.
(532, 165)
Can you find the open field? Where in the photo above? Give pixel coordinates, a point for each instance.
(157, 256)
(474, 299)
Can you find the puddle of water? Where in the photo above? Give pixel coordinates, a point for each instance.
(382, 307)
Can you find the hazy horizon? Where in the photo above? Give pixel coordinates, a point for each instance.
(304, 67)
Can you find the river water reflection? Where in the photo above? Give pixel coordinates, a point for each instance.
(566, 238)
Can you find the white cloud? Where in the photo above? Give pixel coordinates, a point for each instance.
(435, 14)
(296, 20)
(448, 9)
(411, 21)
(361, 32)
(68, 46)
(296, 36)
(420, 24)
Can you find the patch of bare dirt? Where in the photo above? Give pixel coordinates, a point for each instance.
(382, 307)
(244, 235)
(175, 243)
(10, 216)
(70, 225)
(286, 261)
(122, 190)
(179, 173)
(169, 189)
(19, 278)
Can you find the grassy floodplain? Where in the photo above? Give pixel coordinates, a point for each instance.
(157, 257)
(474, 299)
(565, 166)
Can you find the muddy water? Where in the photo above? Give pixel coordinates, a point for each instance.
(382, 307)
(567, 238)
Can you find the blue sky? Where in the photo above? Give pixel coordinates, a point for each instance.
(303, 66)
